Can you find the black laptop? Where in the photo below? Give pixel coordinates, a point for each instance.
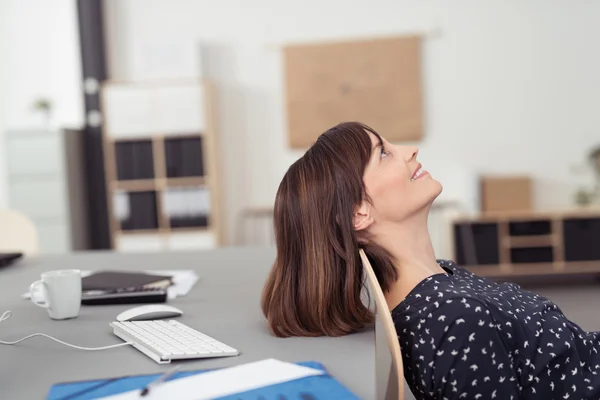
(8, 258)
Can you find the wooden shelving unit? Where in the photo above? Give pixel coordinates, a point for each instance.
(529, 243)
(162, 173)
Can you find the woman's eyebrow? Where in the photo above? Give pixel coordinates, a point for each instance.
(377, 145)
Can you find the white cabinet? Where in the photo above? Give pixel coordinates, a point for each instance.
(45, 182)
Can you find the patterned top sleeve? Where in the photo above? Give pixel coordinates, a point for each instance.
(468, 358)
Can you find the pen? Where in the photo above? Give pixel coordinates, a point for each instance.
(160, 380)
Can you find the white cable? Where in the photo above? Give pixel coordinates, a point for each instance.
(67, 344)
(6, 315)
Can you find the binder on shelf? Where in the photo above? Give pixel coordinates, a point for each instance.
(134, 160)
(187, 207)
(184, 157)
(121, 209)
(142, 211)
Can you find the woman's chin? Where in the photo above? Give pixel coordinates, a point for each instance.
(436, 188)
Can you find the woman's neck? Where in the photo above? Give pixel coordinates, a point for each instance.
(410, 245)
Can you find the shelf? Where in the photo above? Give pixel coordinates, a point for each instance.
(162, 172)
(530, 241)
(180, 135)
(186, 181)
(136, 232)
(190, 229)
(582, 266)
(135, 185)
(135, 108)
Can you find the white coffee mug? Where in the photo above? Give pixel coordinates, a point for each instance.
(61, 291)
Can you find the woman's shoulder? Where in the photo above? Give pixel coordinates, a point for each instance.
(441, 300)
(455, 281)
(453, 268)
(457, 290)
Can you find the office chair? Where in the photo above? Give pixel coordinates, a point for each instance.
(395, 386)
(18, 233)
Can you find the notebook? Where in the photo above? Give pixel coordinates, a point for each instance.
(112, 281)
(7, 259)
(315, 387)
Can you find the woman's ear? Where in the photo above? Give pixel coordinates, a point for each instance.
(362, 217)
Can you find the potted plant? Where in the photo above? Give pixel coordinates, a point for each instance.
(44, 107)
(594, 159)
(584, 196)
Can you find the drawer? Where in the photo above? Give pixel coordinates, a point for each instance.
(54, 237)
(34, 154)
(38, 199)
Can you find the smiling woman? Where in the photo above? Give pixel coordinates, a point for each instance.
(462, 336)
(314, 288)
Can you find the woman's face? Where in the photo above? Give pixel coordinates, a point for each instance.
(399, 187)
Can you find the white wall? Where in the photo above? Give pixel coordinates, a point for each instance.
(39, 45)
(3, 99)
(510, 86)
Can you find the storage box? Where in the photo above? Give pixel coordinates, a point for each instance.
(506, 193)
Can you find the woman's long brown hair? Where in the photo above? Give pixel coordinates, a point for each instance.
(314, 287)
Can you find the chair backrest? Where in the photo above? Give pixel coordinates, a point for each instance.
(18, 233)
(395, 387)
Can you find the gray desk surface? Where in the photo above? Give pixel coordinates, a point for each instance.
(225, 303)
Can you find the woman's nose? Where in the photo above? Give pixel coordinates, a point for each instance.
(410, 152)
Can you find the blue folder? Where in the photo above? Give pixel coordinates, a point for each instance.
(309, 388)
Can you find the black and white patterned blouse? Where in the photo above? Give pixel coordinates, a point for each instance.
(468, 337)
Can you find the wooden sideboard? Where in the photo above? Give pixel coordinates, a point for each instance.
(528, 243)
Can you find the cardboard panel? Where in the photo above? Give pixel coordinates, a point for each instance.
(377, 82)
(509, 193)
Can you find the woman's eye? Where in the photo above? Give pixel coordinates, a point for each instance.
(384, 152)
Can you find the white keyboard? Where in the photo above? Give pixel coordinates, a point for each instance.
(164, 341)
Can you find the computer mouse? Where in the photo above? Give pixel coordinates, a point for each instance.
(149, 312)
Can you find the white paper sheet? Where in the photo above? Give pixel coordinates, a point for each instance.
(183, 281)
(224, 382)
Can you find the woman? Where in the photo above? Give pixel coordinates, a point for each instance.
(463, 337)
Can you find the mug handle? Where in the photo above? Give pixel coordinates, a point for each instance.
(32, 290)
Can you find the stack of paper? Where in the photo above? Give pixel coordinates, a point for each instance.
(183, 282)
